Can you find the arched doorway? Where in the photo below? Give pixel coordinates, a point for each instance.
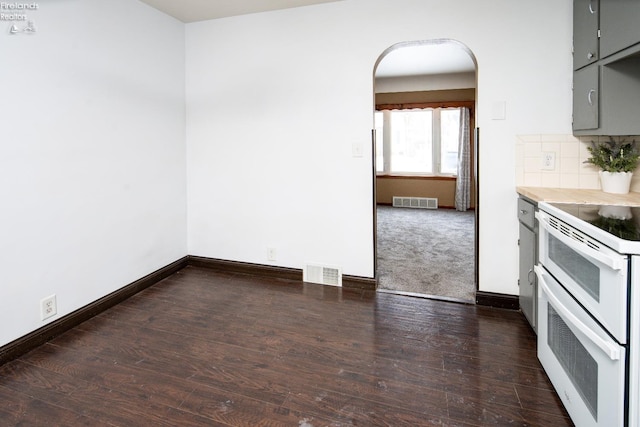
(426, 239)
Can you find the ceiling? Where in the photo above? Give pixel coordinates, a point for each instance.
(201, 10)
(408, 60)
(428, 58)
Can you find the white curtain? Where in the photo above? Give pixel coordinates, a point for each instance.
(463, 182)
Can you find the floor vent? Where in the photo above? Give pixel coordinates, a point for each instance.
(415, 202)
(322, 275)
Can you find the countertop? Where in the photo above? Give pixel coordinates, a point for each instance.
(570, 195)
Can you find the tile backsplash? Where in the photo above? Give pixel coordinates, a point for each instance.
(569, 170)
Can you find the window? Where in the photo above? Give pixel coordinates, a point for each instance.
(417, 141)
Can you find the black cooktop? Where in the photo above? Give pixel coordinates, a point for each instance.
(621, 221)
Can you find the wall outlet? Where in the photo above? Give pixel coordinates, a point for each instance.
(48, 307)
(271, 254)
(548, 161)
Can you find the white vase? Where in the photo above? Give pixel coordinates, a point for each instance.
(615, 212)
(615, 182)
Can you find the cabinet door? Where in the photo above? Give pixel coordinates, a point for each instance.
(527, 277)
(585, 32)
(619, 25)
(586, 91)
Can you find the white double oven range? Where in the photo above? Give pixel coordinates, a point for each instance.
(589, 310)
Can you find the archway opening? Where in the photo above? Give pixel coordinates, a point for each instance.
(426, 230)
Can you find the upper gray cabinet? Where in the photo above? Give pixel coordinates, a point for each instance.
(619, 25)
(585, 32)
(606, 77)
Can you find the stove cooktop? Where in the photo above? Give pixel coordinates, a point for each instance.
(617, 227)
(622, 222)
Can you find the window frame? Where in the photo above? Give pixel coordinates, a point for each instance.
(426, 105)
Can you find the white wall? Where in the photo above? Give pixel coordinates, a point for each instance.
(92, 155)
(276, 100)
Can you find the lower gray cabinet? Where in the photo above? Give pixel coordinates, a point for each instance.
(605, 97)
(527, 242)
(586, 94)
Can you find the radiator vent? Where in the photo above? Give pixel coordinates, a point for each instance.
(416, 202)
(322, 274)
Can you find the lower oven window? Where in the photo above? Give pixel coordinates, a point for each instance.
(583, 272)
(576, 361)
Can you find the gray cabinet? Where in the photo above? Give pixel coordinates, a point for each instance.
(585, 32)
(619, 24)
(586, 91)
(606, 79)
(606, 94)
(528, 257)
(620, 97)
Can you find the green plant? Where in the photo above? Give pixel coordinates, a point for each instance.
(612, 156)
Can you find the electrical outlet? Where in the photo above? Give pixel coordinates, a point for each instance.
(48, 307)
(548, 160)
(271, 254)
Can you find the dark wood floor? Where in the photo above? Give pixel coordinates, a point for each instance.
(208, 348)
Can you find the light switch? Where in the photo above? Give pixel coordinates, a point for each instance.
(499, 110)
(356, 149)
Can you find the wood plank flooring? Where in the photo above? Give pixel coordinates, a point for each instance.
(204, 348)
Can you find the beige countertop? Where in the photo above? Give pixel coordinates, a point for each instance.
(569, 195)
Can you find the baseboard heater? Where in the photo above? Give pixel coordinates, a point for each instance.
(322, 274)
(415, 202)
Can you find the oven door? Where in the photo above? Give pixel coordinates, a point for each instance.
(593, 273)
(585, 365)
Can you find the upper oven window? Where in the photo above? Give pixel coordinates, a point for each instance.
(582, 271)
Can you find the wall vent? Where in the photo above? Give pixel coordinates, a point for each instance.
(322, 274)
(415, 202)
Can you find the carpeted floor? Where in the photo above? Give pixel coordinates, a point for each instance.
(426, 252)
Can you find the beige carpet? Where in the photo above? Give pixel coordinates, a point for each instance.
(426, 252)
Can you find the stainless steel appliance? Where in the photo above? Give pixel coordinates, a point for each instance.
(589, 310)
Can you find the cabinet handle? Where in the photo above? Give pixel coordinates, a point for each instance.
(529, 276)
(591, 9)
(523, 212)
(590, 55)
(591, 92)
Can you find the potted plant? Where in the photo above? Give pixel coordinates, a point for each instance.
(617, 160)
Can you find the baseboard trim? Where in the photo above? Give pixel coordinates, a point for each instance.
(247, 268)
(491, 299)
(348, 282)
(360, 283)
(40, 336)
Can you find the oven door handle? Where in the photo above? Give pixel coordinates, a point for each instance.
(609, 349)
(611, 262)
